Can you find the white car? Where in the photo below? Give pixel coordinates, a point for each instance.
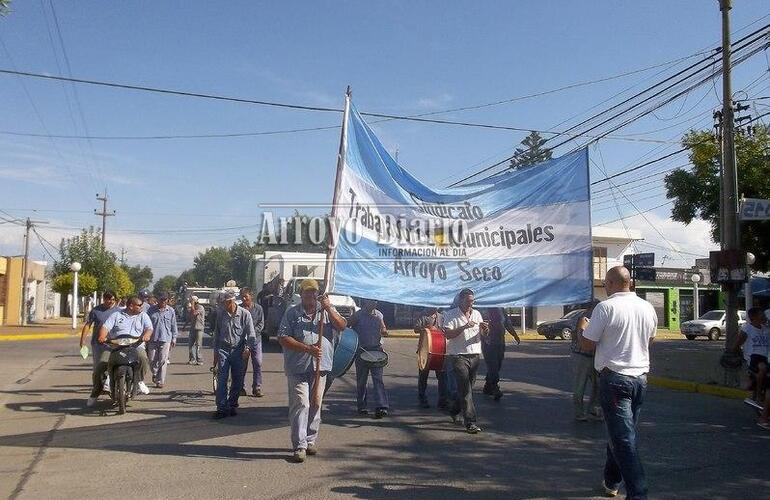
(711, 325)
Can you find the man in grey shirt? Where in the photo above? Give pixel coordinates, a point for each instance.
(258, 318)
(370, 326)
(298, 335)
(197, 315)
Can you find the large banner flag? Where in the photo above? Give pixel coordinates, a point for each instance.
(522, 237)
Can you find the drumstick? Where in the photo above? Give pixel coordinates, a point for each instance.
(317, 387)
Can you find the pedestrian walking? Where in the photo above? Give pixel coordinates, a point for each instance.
(233, 335)
(298, 334)
(463, 327)
(164, 334)
(255, 354)
(584, 372)
(369, 324)
(493, 349)
(621, 330)
(197, 316)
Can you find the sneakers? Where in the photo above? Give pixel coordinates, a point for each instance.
(610, 492)
(90, 402)
(488, 390)
(497, 394)
(143, 387)
(199, 363)
(233, 412)
(381, 412)
(424, 403)
(219, 415)
(299, 456)
(257, 393)
(312, 449)
(363, 411)
(191, 362)
(472, 429)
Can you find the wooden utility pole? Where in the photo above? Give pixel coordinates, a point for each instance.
(104, 214)
(25, 269)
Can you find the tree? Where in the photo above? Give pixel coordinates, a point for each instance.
(187, 276)
(696, 191)
(119, 282)
(213, 267)
(86, 248)
(532, 151)
(141, 277)
(242, 259)
(63, 283)
(165, 284)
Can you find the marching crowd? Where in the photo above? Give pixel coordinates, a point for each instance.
(610, 351)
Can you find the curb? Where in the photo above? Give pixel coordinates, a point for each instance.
(684, 385)
(10, 337)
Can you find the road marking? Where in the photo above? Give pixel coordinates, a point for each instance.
(36, 336)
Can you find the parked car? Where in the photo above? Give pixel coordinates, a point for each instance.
(711, 325)
(562, 327)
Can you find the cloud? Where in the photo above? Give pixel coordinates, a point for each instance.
(434, 102)
(679, 244)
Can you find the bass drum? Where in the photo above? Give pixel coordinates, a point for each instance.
(431, 350)
(344, 352)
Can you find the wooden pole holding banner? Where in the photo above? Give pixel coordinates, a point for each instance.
(327, 271)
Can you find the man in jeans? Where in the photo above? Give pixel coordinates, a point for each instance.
(621, 330)
(463, 327)
(197, 315)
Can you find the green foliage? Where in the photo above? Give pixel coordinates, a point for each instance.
(696, 191)
(213, 267)
(5, 7)
(165, 284)
(187, 276)
(140, 276)
(119, 282)
(531, 152)
(241, 259)
(86, 248)
(62, 283)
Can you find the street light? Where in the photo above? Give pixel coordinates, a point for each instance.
(75, 267)
(695, 280)
(748, 293)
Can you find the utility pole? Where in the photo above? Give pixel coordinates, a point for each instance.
(104, 214)
(123, 256)
(25, 269)
(729, 191)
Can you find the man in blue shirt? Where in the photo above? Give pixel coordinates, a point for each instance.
(370, 326)
(96, 317)
(258, 318)
(233, 331)
(130, 321)
(164, 333)
(298, 335)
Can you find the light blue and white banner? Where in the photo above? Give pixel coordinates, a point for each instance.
(522, 237)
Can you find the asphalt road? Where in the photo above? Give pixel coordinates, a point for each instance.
(693, 446)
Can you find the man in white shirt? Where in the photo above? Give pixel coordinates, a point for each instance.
(463, 327)
(621, 329)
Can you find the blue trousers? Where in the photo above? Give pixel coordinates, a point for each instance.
(256, 362)
(621, 398)
(362, 378)
(229, 364)
(494, 354)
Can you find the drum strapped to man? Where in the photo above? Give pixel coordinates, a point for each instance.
(431, 350)
(374, 359)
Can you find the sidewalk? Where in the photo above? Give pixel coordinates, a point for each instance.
(51, 328)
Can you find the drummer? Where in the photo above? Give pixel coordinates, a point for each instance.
(370, 327)
(431, 318)
(298, 335)
(463, 327)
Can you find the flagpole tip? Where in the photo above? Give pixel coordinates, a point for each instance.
(348, 91)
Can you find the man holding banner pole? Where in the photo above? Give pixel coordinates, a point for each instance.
(463, 327)
(299, 335)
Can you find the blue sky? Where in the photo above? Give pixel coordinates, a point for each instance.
(399, 58)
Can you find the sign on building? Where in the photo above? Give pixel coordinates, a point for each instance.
(755, 209)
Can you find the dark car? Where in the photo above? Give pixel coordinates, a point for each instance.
(562, 327)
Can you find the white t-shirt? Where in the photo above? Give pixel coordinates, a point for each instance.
(757, 341)
(622, 327)
(469, 341)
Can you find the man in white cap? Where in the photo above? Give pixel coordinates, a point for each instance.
(298, 335)
(197, 315)
(233, 332)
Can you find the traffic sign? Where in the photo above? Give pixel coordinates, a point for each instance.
(645, 273)
(639, 259)
(755, 209)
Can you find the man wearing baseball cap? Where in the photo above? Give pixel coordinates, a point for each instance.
(298, 335)
(233, 336)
